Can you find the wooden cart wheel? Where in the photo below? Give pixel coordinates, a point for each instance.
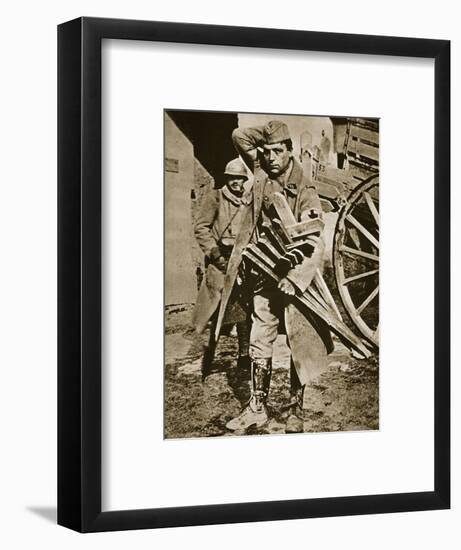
(356, 257)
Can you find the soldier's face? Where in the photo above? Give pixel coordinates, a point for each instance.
(235, 184)
(277, 158)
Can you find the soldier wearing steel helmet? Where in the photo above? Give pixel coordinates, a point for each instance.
(215, 230)
(268, 150)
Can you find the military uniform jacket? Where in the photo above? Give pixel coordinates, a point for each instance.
(217, 224)
(219, 219)
(299, 191)
(309, 336)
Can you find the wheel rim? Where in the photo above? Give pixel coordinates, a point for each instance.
(356, 258)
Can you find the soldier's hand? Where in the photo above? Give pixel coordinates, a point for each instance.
(286, 287)
(221, 264)
(217, 259)
(215, 254)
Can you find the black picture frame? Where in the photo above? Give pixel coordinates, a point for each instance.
(79, 274)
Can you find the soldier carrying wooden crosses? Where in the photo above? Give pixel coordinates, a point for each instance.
(268, 150)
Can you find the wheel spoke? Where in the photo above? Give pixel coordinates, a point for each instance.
(362, 230)
(354, 236)
(364, 304)
(372, 207)
(355, 252)
(360, 276)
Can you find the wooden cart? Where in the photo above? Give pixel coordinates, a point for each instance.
(352, 190)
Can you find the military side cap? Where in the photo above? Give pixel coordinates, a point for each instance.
(276, 131)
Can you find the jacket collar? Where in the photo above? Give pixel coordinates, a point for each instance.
(292, 181)
(237, 201)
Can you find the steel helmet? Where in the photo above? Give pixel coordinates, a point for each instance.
(236, 168)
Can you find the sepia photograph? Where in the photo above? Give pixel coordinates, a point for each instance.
(271, 270)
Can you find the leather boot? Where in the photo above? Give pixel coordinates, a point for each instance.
(255, 413)
(295, 420)
(243, 337)
(244, 363)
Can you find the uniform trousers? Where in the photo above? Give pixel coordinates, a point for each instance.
(266, 319)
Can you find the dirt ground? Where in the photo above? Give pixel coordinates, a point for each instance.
(344, 398)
